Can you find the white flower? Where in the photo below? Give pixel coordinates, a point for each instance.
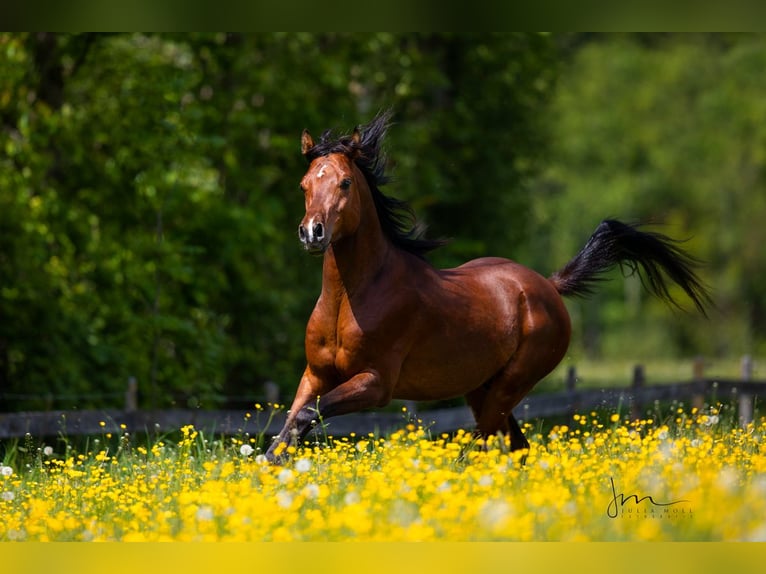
(246, 450)
(204, 513)
(261, 459)
(6, 471)
(728, 479)
(285, 476)
(351, 497)
(759, 484)
(7, 496)
(311, 491)
(710, 420)
(485, 480)
(303, 465)
(48, 450)
(15, 535)
(284, 499)
(494, 514)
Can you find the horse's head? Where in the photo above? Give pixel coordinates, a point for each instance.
(333, 207)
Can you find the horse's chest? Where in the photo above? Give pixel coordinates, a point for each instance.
(336, 347)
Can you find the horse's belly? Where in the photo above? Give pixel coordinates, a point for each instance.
(450, 369)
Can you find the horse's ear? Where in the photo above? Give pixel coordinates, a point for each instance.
(356, 139)
(307, 142)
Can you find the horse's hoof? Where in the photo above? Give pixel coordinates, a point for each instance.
(276, 459)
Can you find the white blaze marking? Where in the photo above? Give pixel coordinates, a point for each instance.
(310, 230)
(320, 173)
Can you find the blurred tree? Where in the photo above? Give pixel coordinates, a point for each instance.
(667, 129)
(149, 189)
(149, 198)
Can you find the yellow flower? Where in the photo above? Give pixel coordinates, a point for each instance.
(407, 486)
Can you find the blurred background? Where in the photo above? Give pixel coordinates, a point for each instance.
(149, 193)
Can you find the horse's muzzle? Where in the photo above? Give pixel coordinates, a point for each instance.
(313, 237)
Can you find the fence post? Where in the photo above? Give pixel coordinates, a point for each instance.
(698, 377)
(747, 368)
(746, 399)
(271, 389)
(637, 386)
(131, 395)
(569, 385)
(571, 380)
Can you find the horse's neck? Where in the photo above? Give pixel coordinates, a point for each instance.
(354, 261)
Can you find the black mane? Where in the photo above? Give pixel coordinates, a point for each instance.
(397, 218)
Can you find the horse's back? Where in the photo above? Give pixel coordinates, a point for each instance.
(535, 294)
(515, 277)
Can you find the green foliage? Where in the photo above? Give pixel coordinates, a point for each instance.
(668, 130)
(149, 198)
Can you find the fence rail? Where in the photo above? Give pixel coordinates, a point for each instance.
(632, 399)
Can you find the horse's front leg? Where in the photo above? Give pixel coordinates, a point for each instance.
(308, 389)
(363, 390)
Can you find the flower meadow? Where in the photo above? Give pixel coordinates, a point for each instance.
(600, 477)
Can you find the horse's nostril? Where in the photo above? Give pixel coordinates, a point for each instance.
(318, 231)
(302, 233)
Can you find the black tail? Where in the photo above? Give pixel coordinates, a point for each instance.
(652, 255)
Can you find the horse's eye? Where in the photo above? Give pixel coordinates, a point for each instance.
(345, 184)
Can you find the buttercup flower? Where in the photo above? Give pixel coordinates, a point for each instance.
(669, 480)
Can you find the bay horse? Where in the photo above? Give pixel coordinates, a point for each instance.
(388, 325)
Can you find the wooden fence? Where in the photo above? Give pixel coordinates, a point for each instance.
(633, 399)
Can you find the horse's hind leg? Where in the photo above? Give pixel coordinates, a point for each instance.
(475, 400)
(509, 385)
(489, 425)
(518, 440)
